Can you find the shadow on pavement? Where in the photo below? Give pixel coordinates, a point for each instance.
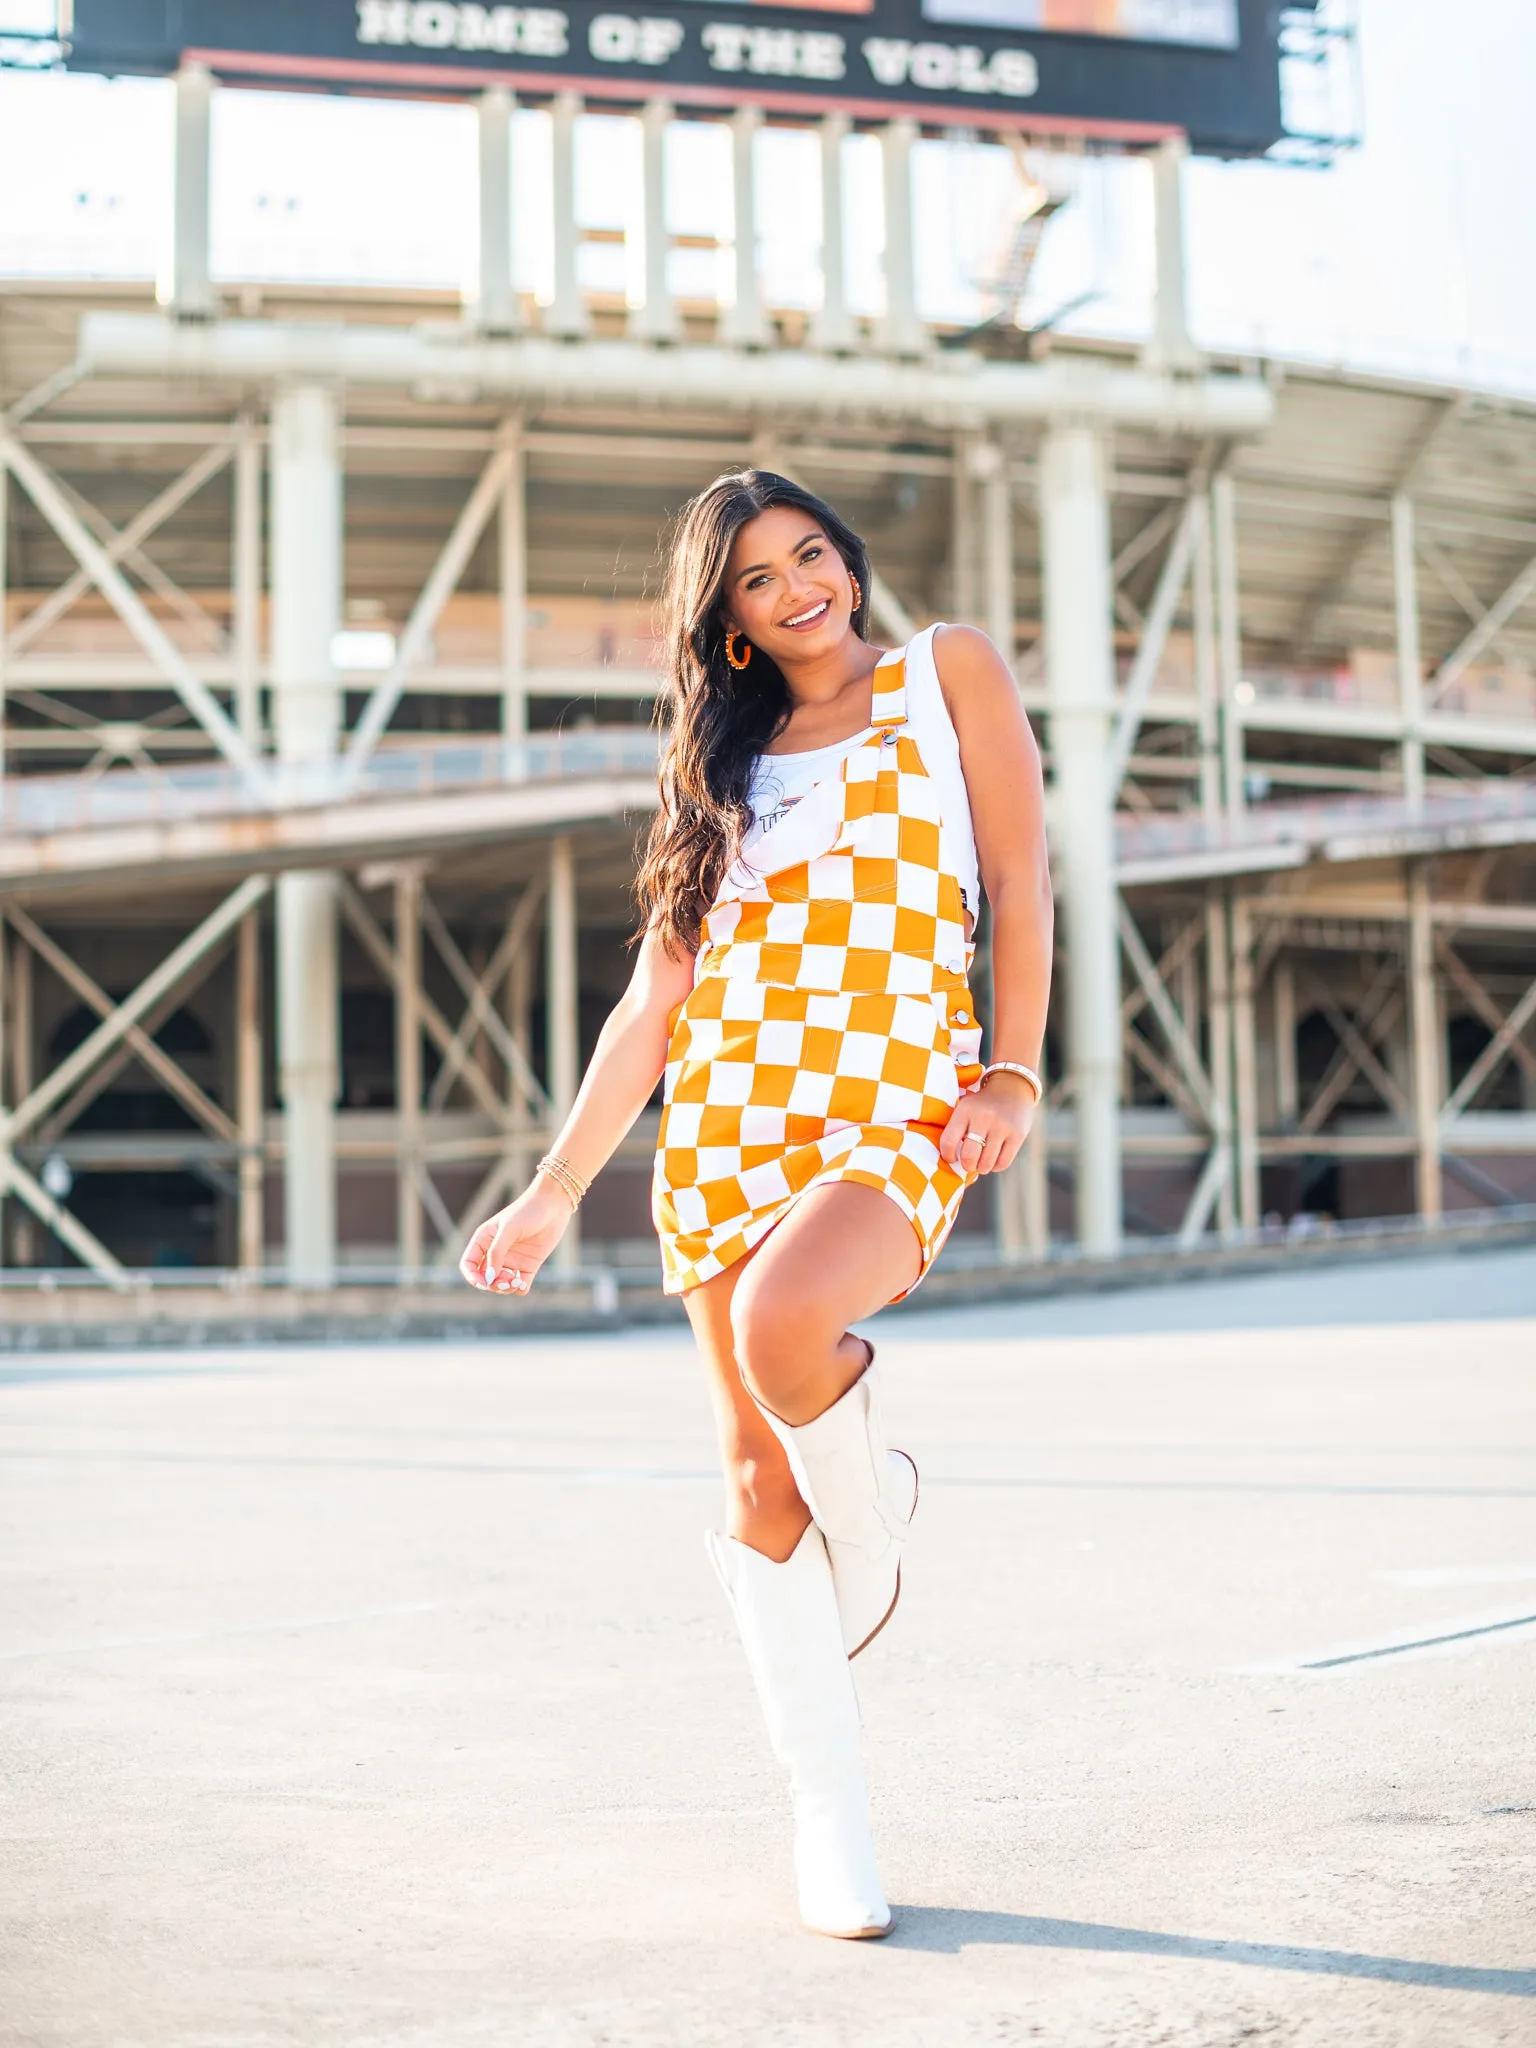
(948, 1929)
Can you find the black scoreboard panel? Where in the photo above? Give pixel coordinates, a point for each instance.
(1122, 70)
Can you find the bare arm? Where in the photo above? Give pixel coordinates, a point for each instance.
(631, 1054)
(1004, 782)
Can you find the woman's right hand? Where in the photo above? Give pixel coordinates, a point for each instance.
(509, 1248)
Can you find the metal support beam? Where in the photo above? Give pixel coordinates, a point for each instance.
(512, 579)
(964, 551)
(744, 323)
(562, 1014)
(306, 612)
(135, 1039)
(997, 551)
(5, 564)
(1218, 986)
(121, 546)
(495, 301)
(1207, 664)
(1287, 1081)
(188, 291)
(32, 1107)
(902, 332)
(408, 1067)
(20, 1038)
(1149, 653)
(567, 315)
(1424, 1032)
(488, 495)
(245, 580)
(44, 490)
(1486, 630)
(1410, 660)
(1170, 347)
(250, 1096)
(1079, 661)
(1245, 1067)
(657, 320)
(832, 326)
(1229, 645)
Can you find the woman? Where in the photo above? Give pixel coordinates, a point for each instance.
(810, 889)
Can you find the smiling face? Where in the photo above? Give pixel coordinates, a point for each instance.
(787, 588)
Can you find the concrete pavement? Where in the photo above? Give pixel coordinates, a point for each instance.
(383, 1696)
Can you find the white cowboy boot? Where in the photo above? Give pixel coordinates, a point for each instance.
(787, 1614)
(862, 1498)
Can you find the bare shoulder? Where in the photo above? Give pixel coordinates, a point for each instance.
(970, 669)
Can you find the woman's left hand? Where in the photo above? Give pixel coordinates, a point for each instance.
(987, 1127)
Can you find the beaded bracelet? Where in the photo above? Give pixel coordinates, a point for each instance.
(565, 1177)
(1025, 1074)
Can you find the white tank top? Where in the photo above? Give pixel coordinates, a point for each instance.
(780, 780)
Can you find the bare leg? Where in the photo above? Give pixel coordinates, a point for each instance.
(839, 1255)
(763, 1508)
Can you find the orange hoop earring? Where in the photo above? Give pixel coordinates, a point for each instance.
(737, 661)
(858, 595)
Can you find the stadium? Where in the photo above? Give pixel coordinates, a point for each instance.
(327, 747)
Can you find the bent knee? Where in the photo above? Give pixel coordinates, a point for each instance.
(780, 1338)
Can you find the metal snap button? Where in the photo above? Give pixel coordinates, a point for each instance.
(962, 1016)
(954, 967)
(888, 737)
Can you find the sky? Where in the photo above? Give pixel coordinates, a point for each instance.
(1412, 254)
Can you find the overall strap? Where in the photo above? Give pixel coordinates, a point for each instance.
(888, 706)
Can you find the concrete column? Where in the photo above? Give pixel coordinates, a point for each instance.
(495, 303)
(1207, 662)
(5, 1022)
(306, 582)
(1287, 1084)
(561, 1012)
(1425, 1031)
(1170, 347)
(832, 328)
(1079, 667)
(1229, 644)
(408, 1068)
(1218, 988)
(965, 567)
(21, 1041)
(249, 1103)
(657, 320)
(997, 548)
(5, 615)
(518, 1003)
(567, 315)
(901, 331)
(512, 571)
(745, 324)
(1410, 659)
(188, 290)
(246, 581)
(1245, 1067)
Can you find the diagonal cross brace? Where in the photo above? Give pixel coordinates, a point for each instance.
(511, 945)
(45, 493)
(114, 1028)
(1149, 654)
(480, 1010)
(436, 591)
(1166, 1013)
(1498, 1048)
(139, 528)
(138, 1041)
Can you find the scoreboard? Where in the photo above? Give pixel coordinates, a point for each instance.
(1122, 71)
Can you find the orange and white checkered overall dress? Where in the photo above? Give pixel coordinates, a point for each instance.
(830, 1029)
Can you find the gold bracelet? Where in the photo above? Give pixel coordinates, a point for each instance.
(565, 1177)
(1027, 1075)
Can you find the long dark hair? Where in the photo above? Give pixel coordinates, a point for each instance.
(718, 719)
